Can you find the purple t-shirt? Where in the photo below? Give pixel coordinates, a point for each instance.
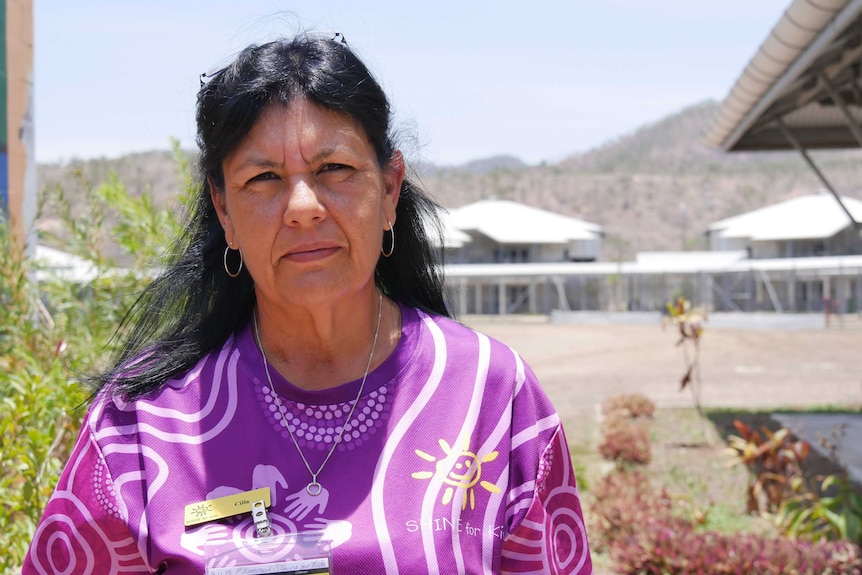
(454, 462)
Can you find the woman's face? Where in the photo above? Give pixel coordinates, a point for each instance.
(307, 202)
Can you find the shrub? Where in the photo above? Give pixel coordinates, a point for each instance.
(639, 528)
(669, 550)
(52, 331)
(628, 405)
(625, 441)
(623, 503)
(38, 420)
(830, 512)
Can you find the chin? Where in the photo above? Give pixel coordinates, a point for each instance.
(321, 293)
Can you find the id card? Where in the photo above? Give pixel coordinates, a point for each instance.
(304, 553)
(310, 567)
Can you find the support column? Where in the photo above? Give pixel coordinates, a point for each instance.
(562, 298)
(842, 105)
(767, 283)
(531, 296)
(858, 293)
(581, 293)
(795, 143)
(843, 294)
(758, 291)
(791, 291)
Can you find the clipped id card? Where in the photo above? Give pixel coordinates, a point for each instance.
(304, 553)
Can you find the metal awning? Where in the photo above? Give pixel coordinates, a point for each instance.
(802, 89)
(805, 79)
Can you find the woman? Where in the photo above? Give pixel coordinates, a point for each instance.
(300, 349)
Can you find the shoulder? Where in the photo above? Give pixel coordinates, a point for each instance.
(179, 394)
(499, 365)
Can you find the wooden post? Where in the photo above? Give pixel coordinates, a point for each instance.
(17, 143)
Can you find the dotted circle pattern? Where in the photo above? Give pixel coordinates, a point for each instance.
(317, 426)
(104, 487)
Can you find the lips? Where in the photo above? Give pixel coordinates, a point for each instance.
(311, 252)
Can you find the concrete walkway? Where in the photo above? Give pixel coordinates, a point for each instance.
(842, 430)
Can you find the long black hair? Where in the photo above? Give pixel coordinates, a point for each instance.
(193, 306)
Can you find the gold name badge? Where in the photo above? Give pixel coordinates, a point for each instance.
(228, 506)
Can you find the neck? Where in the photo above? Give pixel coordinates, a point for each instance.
(322, 347)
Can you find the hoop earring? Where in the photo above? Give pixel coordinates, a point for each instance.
(386, 254)
(226, 269)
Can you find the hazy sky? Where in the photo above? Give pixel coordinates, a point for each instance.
(540, 80)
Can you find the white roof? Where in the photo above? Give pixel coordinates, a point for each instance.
(509, 222)
(452, 237)
(816, 216)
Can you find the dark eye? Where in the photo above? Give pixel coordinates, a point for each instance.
(334, 167)
(265, 176)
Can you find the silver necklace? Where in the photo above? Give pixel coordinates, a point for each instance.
(314, 488)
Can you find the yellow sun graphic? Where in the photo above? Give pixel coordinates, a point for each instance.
(462, 469)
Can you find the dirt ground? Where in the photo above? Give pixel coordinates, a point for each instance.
(581, 365)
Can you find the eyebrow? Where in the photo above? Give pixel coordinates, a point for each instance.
(257, 161)
(331, 150)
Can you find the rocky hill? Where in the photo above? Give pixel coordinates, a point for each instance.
(657, 188)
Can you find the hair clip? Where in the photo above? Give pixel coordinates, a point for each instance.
(340, 35)
(207, 76)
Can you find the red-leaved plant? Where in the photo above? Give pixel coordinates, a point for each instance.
(774, 460)
(625, 441)
(628, 405)
(638, 527)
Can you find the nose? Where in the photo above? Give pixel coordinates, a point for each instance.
(303, 204)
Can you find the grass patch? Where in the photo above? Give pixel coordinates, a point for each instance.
(727, 519)
(689, 461)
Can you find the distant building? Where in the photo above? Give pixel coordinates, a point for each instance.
(454, 240)
(502, 231)
(801, 255)
(800, 92)
(808, 226)
(512, 237)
